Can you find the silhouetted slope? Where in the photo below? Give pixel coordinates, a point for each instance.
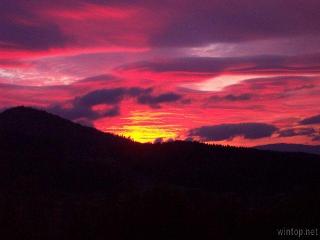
(55, 153)
(285, 147)
(61, 180)
(21, 123)
(229, 169)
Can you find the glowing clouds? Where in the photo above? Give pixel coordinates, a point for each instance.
(157, 70)
(219, 83)
(143, 126)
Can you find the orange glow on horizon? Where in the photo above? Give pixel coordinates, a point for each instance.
(145, 126)
(147, 133)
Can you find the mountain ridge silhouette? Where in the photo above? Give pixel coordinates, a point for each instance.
(287, 147)
(62, 180)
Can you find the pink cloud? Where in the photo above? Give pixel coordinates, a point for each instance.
(208, 63)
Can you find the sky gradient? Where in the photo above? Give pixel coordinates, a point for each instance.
(237, 72)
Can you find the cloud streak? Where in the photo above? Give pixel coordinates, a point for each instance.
(239, 65)
(311, 120)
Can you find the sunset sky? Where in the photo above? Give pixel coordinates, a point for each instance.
(237, 72)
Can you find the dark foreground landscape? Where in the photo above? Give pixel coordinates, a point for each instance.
(61, 180)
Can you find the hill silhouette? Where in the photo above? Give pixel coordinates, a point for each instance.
(285, 147)
(61, 180)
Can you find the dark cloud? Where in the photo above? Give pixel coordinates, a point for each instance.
(137, 91)
(229, 131)
(102, 77)
(309, 132)
(103, 96)
(233, 97)
(178, 23)
(41, 37)
(114, 111)
(116, 95)
(316, 138)
(74, 113)
(241, 97)
(154, 101)
(112, 95)
(311, 120)
(82, 106)
(203, 22)
(20, 28)
(83, 115)
(291, 132)
(232, 64)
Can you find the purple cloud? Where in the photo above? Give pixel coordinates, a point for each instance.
(232, 97)
(311, 120)
(229, 131)
(20, 28)
(291, 132)
(82, 106)
(238, 20)
(154, 101)
(308, 63)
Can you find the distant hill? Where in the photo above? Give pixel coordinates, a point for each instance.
(285, 147)
(61, 180)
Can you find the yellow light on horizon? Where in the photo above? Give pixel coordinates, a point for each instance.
(146, 126)
(147, 133)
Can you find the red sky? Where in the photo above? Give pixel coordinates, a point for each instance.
(238, 72)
